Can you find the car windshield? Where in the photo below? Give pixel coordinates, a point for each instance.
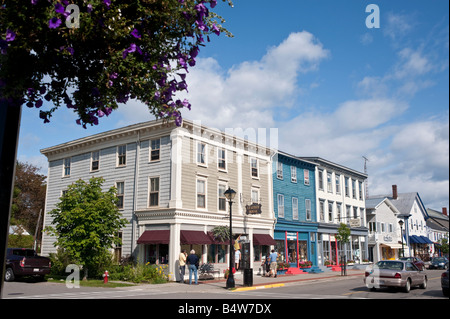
(394, 265)
(439, 259)
(407, 258)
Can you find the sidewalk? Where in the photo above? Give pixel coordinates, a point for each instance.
(260, 282)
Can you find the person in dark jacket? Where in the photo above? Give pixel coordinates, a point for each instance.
(192, 262)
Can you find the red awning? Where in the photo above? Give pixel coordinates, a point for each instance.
(193, 237)
(263, 240)
(154, 237)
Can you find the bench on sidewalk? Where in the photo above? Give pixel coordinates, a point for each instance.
(207, 271)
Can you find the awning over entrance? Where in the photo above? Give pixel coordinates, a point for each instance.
(263, 240)
(192, 237)
(154, 237)
(393, 246)
(419, 240)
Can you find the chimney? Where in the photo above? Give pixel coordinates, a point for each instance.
(444, 211)
(394, 192)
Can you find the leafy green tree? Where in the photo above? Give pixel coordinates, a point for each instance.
(343, 234)
(86, 222)
(444, 245)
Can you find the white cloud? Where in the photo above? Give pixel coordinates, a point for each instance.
(246, 94)
(397, 25)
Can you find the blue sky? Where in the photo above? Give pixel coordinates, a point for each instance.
(333, 87)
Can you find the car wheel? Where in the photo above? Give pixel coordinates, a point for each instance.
(407, 287)
(424, 285)
(9, 275)
(445, 291)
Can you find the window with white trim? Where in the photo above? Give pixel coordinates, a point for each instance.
(255, 196)
(254, 167)
(280, 199)
(201, 153)
(293, 174)
(306, 177)
(66, 168)
(279, 170)
(329, 183)
(121, 155)
(222, 204)
(201, 193)
(95, 161)
(337, 180)
(153, 195)
(294, 208)
(320, 179)
(308, 209)
(155, 150)
(120, 193)
(221, 159)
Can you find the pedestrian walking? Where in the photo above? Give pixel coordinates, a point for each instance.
(273, 263)
(182, 260)
(192, 260)
(237, 258)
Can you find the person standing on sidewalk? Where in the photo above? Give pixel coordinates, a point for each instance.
(182, 260)
(273, 263)
(192, 261)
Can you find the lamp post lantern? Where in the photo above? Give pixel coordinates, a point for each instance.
(229, 195)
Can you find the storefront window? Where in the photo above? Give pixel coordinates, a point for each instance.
(292, 251)
(303, 250)
(157, 254)
(198, 249)
(280, 249)
(216, 253)
(355, 248)
(326, 250)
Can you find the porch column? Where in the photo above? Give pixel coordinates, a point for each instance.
(174, 251)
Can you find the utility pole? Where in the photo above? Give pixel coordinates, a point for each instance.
(366, 182)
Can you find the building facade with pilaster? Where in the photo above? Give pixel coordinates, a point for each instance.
(171, 182)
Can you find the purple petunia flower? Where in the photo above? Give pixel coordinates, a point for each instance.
(215, 29)
(33, 2)
(213, 3)
(70, 50)
(135, 33)
(38, 104)
(54, 23)
(10, 35)
(133, 48)
(59, 8)
(89, 8)
(107, 3)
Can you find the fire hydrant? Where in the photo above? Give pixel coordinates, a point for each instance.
(105, 277)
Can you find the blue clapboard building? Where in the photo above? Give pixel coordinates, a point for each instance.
(295, 209)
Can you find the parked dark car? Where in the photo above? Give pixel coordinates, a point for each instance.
(444, 282)
(416, 261)
(438, 263)
(25, 262)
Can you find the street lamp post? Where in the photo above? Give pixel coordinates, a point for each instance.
(400, 222)
(229, 194)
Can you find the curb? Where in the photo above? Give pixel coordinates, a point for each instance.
(258, 287)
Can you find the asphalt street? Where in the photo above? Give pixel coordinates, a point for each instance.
(305, 286)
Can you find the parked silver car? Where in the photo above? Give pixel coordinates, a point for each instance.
(395, 273)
